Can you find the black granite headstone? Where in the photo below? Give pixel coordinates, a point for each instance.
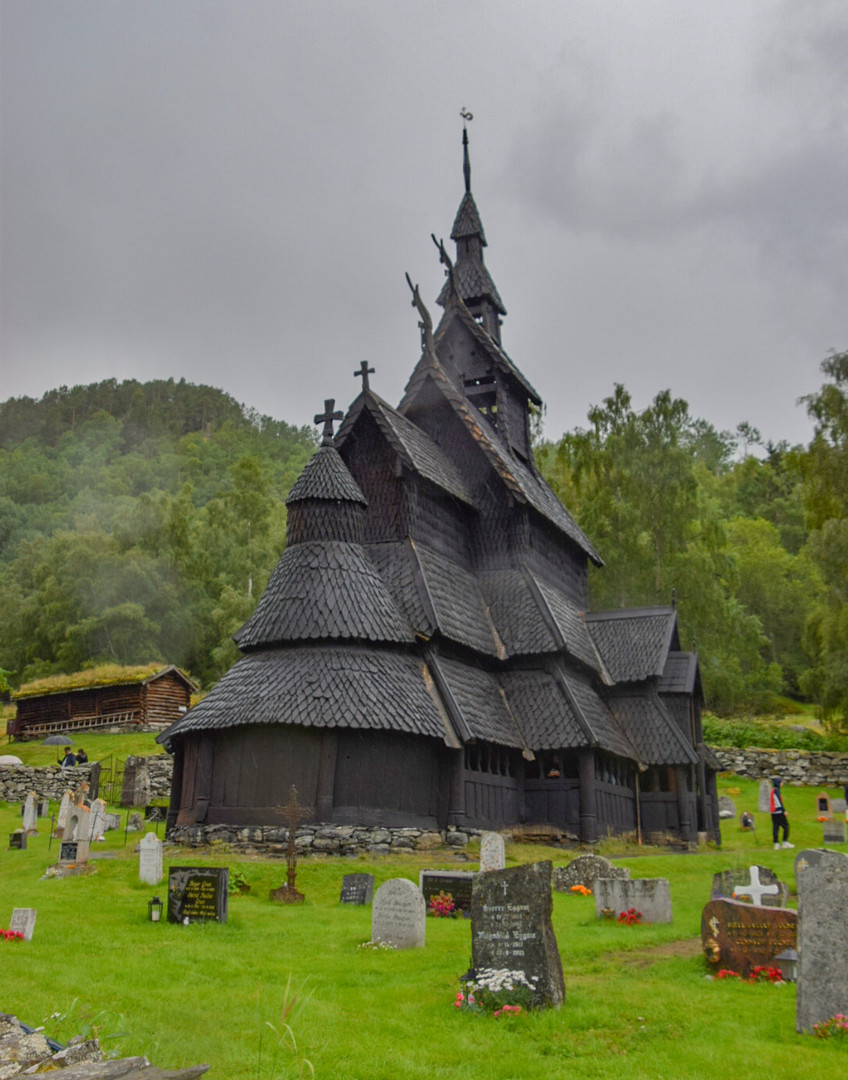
(198, 894)
(17, 840)
(357, 889)
(155, 813)
(68, 851)
(456, 882)
(511, 928)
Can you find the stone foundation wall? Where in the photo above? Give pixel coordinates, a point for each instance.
(798, 767)
(320, 839)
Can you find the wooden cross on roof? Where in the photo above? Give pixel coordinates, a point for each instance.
(327, 420)
(363, 373)
(293, 814)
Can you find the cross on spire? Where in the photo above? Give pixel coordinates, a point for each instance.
(327, 420)
(466, 161)
(363, 373)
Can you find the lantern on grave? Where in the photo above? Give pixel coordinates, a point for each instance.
(464, 982)
(787, 961)
(154, 909)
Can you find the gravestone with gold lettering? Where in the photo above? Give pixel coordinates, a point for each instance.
(198, 894)
(744, 936)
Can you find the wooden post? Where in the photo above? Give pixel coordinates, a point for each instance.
(683, 804)
(326, 776)
(456, 810)
(588, 799)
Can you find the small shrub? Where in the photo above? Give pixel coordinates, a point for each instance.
(834, 1028)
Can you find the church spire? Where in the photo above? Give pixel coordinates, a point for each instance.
(471, 278)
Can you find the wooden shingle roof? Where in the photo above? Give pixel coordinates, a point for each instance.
(323, 687)
(325, 476)
(475, 701)
(633, 643)
(654, 734)
(321, 590)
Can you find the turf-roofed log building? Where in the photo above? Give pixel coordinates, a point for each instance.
(423, 654)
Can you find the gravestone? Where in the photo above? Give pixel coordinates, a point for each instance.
(198, 894)
(511, 929)
(135, 822)
(763, 801)
(31, 813)
(78, 824)
(64, 807)
(741, 937)
(155, 813)
(357, 889)
(44, 808)
(18, 840)
(834, 832)
(398, 914)
(456, 882)
(23, 921)
(822, 941)
(756, 884)
(97, 825)
(839, 806)
(810, 857)
(651, 896)
(726, 807)
(73, 853)
(492, 852)
(150, 859)
(746, 821)
(823, 804)
(113, 821)
(135, 790)
(584, 870)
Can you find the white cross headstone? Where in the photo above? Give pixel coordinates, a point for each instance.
(150, 859)
(755, 889)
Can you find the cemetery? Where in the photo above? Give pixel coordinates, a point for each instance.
(156, 947)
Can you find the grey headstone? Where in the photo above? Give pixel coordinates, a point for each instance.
(822, 941)
(30, 823)
(651, 896)
(726, 807)
(357, 889)
(64, 806)
(135, 823)
(135, 790)
(456, 882)
(834, 832)
(97, 826)
(398, 914)
(78, 825)
(113, 821)
(150, 859)
(44, 808)
(839, 806)
(511, 928)
(810, 857)
(584, 870)
(755, 884)
(492, 852)
(23, 921)
(765, 792)
(198, 894)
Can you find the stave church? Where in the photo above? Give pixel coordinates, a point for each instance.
(425, 653)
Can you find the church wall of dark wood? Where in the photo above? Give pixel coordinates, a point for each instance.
(512, 419)
(556, 562)
(374, 466)
(385, 778)
(439, 521)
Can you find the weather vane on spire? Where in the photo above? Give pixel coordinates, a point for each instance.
(466, 161)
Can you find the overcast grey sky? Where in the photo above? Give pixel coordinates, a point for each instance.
(231, 192)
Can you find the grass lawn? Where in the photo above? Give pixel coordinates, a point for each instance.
(638, 1004)
(98, 746)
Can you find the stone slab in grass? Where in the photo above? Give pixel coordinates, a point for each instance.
(398, 914)
(740, 936)
(511, 929)
(822, 940)
(650, 896)
(492, 852)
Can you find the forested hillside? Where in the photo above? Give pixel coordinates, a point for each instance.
(752, 540)
(137, 522)
(141, 522)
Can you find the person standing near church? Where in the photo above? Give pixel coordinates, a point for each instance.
(778, 815)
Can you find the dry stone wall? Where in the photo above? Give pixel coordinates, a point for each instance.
(798, 767)
(51, 781)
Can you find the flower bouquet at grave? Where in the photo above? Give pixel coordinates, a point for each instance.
(441, 906)
(493, 989)
(834, 1028)
(581, 890)
(11, 935)
(631, 917)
